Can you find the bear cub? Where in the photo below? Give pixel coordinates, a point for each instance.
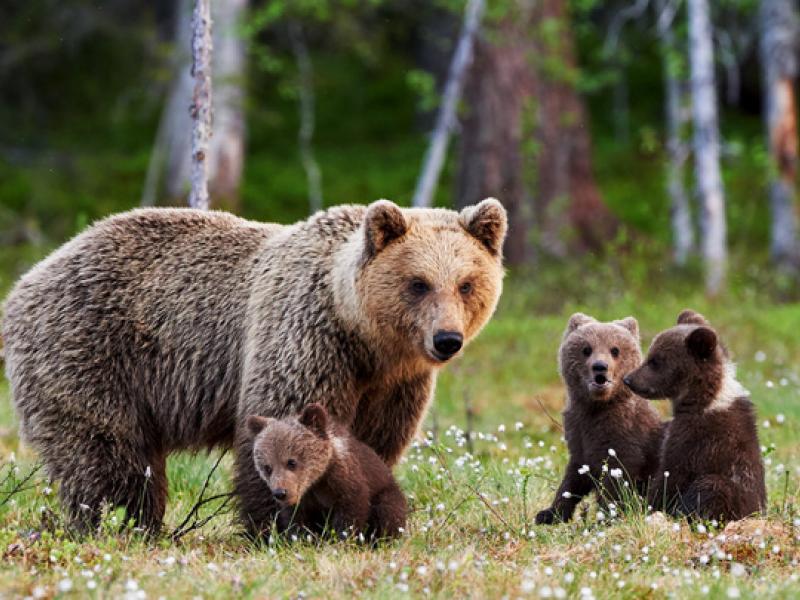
(711, 460)
(613, 436)
(323, 478)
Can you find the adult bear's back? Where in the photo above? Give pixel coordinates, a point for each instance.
(134, 325)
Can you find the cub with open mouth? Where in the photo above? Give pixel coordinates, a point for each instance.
(323, 479)
(613, 435)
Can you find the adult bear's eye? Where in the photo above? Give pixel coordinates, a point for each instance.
(291, 464)
(267, 469)
(587, 350)
(615, 352)
(419, 287)
(465, 288)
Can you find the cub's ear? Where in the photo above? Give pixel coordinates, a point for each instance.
(631, 324)
(315, 417)
(487, 222)
(690, 317)
(701, 343)
(383, 224)
(576, 321)
(256, 424)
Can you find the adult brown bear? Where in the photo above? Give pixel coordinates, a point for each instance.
(161, 330)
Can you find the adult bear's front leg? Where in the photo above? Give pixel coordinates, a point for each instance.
(387, 422)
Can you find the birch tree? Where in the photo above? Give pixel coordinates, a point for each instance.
(201, 102)
(706, 145)
(446, 119)
(779, 46)
(681, 218)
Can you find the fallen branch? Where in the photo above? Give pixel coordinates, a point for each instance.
(192, 522)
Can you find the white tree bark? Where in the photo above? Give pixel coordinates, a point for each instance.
(201, 102)
(706, 145)
(305, 135)
(171, 158)
(779, 46)
(682, 231)
(446, 119)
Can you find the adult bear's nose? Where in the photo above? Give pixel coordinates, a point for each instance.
(447, 343)
(280, 494)
(599, 366)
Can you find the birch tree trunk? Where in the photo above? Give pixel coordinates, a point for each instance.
(779, 46)
(446, 119)
(307, 108)
(201, 102)
(706, 145)
(682, 231)
(170, 162)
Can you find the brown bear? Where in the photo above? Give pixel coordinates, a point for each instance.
(711, 460)
(613, 436)
(324, 479)
(160, 330)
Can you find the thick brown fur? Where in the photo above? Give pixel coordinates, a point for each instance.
(711, 451)
(324, 479)
(160, 330)
(602, 414)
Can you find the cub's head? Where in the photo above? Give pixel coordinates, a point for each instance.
(427, 280)
(291, 454)
(685, 363)
(594, 357)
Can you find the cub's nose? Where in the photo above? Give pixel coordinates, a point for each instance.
(599, 366)
(280, 494)
(447, 343)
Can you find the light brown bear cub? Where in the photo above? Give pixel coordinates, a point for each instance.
(323, 478)
(613, 435)
(711, 460)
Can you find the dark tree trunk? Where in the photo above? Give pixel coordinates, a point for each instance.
(525, 137)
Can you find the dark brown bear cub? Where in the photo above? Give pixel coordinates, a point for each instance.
(323, 478)
(711, 461)
(613, 435)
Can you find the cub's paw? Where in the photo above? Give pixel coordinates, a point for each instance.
(547, 517)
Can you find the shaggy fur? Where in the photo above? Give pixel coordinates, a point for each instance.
(160, 330)
(324, 478)
(602, 414)
(711, 448)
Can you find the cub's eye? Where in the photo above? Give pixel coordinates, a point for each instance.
(587, 350)
(615, 352)
(653, 363)
(291, 464)
(419, 287)
(267, 469)
(465, 288)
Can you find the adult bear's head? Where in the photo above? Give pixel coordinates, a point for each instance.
(423, 282)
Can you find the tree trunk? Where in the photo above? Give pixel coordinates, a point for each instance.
(525, 138)
(446, 119)
(201, 102)
(682, 231)
(706, 145)
(492, 163)
(171, 156)
(779, 46)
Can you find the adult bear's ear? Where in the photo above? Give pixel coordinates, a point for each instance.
(383, 224)
(488, 223)
(631, 324)
(690, 317)
(315, 417)
(701, 343)
(256, 424)
(576, 321)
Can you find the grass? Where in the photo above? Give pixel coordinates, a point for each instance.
(470, 532)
